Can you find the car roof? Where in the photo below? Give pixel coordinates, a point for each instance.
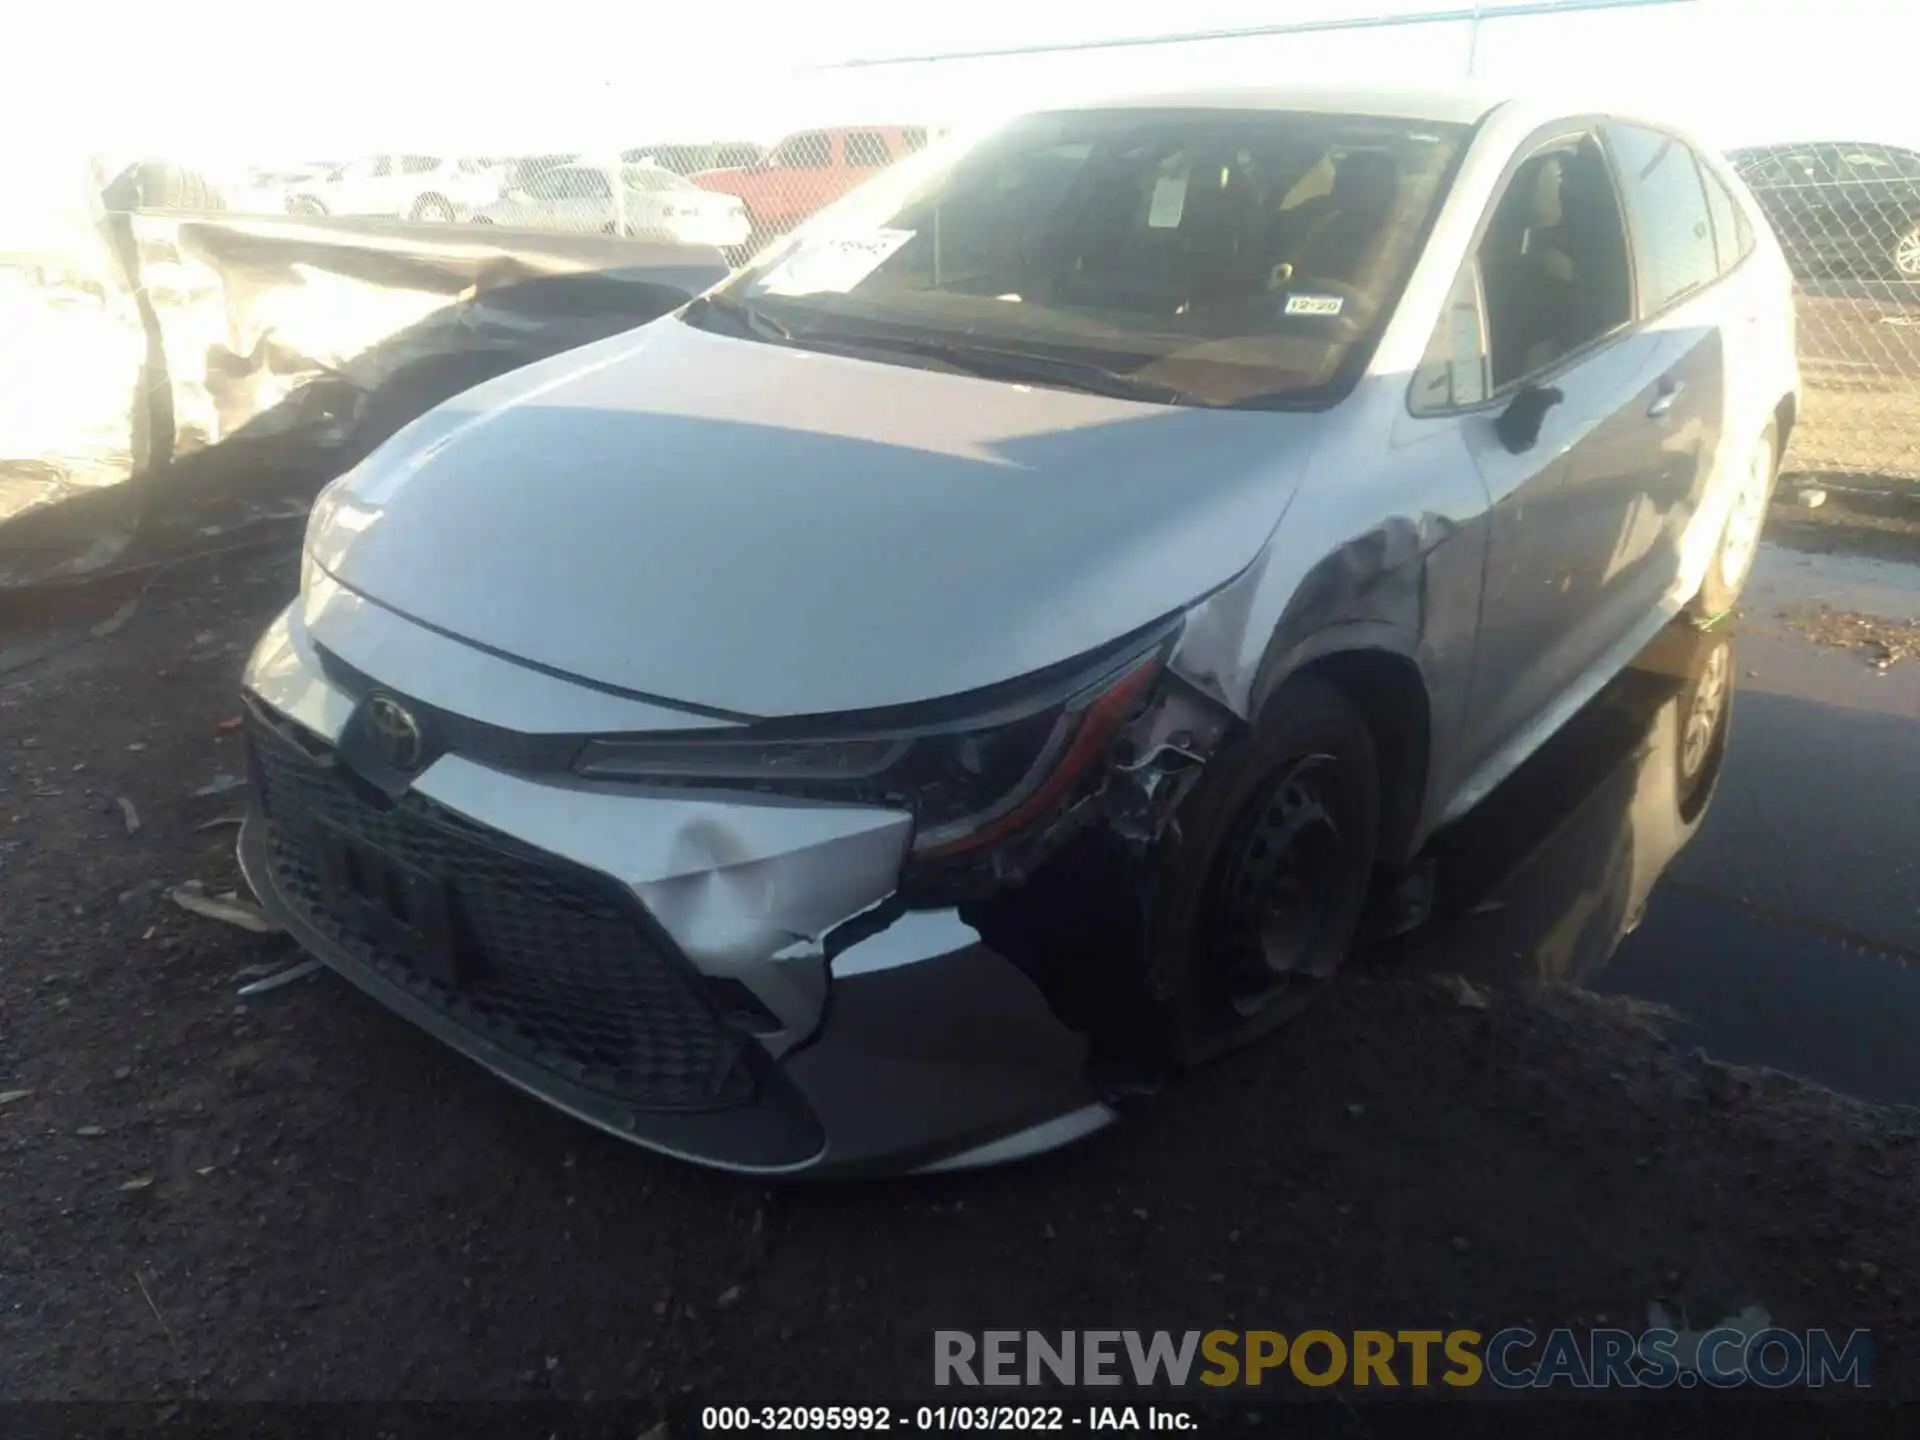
(1460, 105)
(1456, 104)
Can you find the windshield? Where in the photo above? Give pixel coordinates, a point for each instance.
(1233, 257)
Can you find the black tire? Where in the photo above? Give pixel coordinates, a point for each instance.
(1290, 810)
(1719, 589)
(433, 210)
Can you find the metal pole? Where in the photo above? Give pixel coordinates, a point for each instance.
(1473, 40)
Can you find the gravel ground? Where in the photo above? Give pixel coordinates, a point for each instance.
(298, 1196)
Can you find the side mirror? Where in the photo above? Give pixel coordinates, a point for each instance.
(1519, 424)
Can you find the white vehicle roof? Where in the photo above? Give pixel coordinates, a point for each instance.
(1439, 104)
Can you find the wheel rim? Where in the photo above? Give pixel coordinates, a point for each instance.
(1284, 887)
(1742, 539)
(1703, 716)
(1906, 256)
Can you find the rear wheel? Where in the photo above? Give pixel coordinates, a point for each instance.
(433, 209)
(1740, 539)
(1906, 254)
(1261, 889)
(1702, 714)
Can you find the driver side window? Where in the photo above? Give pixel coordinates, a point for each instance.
(1553, 262)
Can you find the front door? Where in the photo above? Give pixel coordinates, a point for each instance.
(1571, 517)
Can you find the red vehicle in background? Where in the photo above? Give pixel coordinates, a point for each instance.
(810, 169)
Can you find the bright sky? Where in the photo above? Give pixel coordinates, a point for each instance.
(221, 82)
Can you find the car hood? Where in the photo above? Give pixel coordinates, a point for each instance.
(772, 531)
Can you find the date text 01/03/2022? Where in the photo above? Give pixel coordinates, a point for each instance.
(937, 1419)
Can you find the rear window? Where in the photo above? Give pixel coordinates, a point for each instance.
(1236, 256)
(1732, 234)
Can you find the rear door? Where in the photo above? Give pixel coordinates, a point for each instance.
(1683, 313)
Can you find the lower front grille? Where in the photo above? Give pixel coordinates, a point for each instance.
(555, 966)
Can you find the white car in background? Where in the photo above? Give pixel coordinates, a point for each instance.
(399, 187)
(651, 203)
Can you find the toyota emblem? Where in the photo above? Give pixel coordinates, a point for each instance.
(394, 733)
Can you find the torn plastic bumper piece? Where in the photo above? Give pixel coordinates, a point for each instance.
(932, 1061)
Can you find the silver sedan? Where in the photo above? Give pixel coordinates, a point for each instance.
(1002, 637)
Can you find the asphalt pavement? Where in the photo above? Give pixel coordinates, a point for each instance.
(1783, 927)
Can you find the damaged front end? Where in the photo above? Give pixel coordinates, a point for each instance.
(759, 946)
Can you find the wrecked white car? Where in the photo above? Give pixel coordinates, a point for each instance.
(1140, 528)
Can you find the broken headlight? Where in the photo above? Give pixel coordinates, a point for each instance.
(969, 782)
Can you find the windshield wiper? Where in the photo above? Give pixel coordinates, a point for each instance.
(994, 363)
(755, 320)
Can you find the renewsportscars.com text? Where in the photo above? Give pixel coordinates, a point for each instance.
(1511, 1359)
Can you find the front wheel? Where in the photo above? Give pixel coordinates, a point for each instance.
(433, 210)
(1260, 890)
(1740, 539)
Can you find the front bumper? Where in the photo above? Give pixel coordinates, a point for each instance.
(607, 990)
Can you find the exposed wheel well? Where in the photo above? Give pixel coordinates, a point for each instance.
(1389, 691)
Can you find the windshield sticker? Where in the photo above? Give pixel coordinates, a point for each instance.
(832, 264)
(1315, 304)
(1169, 200)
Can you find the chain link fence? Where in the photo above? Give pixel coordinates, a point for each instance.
(1848, 217)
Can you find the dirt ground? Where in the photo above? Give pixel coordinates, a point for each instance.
(298, 1196)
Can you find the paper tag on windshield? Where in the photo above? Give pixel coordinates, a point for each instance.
(1315, 304)
(832, 264)
(1169, 200)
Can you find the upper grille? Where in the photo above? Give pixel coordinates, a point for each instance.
(447, 730)
(556, 966)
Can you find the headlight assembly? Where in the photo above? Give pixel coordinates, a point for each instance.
(969, 782)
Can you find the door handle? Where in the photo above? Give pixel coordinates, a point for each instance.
(1662, 405)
